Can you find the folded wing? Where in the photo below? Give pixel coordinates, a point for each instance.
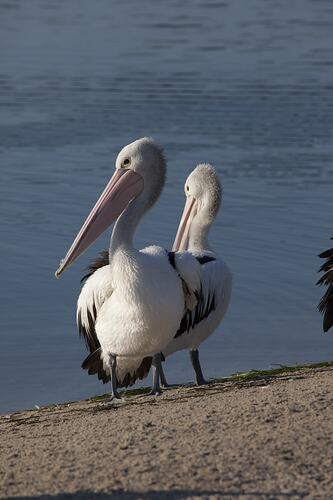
(95, 291)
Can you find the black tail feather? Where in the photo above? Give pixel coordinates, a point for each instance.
(94, 364)
(139, 374)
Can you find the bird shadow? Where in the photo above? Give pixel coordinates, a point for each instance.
(175, 494)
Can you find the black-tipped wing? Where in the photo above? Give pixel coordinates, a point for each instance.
(187, 267)
(206, 304)
(95, 291)
(87, 328)
(192, 318)
(326, 303)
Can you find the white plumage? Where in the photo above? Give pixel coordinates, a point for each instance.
(130, 309)
(203, 197)
(102, 312)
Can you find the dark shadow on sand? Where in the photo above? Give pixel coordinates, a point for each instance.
(176, 494)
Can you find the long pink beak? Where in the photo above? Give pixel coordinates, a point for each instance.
(124, 186)
(182, 237)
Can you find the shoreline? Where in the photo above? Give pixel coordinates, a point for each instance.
(260, 434)
(234, 377)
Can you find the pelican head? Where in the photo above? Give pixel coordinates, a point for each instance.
(203, 193)
(146, 159)
(139, 176)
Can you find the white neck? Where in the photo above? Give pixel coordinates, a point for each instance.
(199, 230)
(125, 227)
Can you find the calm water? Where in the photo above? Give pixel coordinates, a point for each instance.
(246, 85)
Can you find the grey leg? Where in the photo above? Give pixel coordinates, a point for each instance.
(164, 382)
(113, 366)
(157, 367)
(194, 355)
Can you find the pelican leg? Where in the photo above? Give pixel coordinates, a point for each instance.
(194, 355)
(164, 382)
(113, 367)
(157, 368)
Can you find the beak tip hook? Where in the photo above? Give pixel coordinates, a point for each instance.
(58, 272)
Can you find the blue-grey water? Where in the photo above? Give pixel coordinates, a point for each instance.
(244, 84)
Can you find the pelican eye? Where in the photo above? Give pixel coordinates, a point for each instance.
(126, 162)
(187, 188)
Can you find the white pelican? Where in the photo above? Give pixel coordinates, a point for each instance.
(326, 303)
(129, 310)
(203, 197)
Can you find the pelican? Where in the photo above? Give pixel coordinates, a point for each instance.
(326, 303)
(203, 198)
(130, 309)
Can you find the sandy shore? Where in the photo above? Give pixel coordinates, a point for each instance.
(267, 436)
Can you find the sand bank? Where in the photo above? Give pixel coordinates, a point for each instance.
(262, 436)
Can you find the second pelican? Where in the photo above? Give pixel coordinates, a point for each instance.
(203, 198)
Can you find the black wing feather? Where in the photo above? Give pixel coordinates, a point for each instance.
(326, 303)
(192, 318)
(89, 334)
(204, 259)
(101, 261)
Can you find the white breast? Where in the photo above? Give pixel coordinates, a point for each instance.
(145, 308)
